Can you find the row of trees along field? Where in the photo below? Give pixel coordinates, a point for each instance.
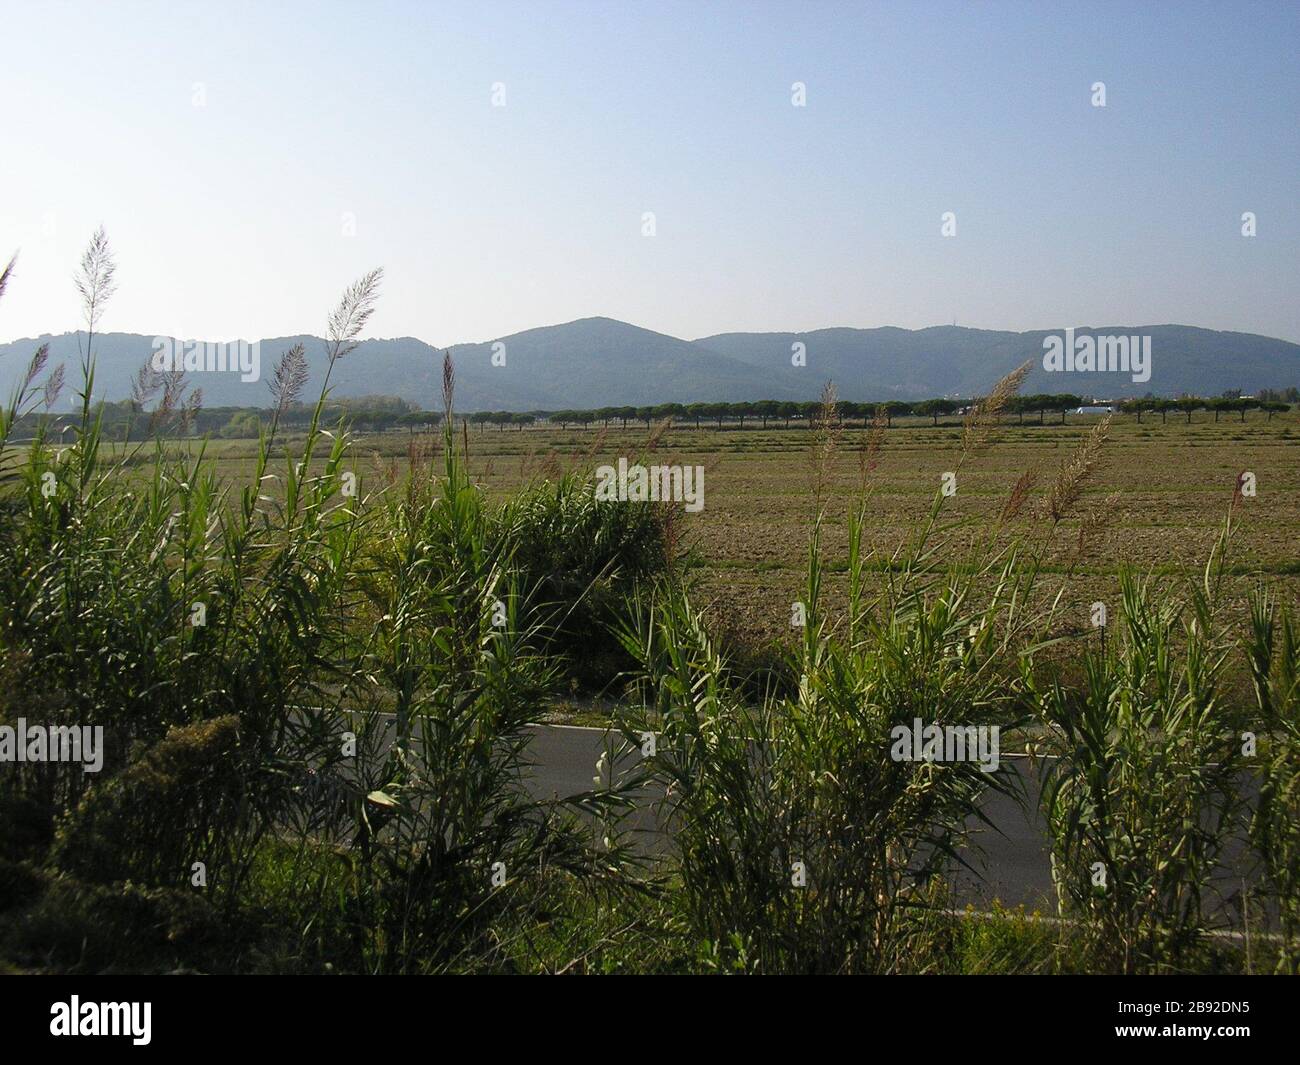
(1189, 405)
(768, 412)
(389, 413)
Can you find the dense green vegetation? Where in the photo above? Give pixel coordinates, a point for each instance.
(316, 705)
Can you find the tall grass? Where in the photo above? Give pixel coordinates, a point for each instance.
(445, 840)
(1144, 789)
(1273, 651)
(800, 842)
(242, 652)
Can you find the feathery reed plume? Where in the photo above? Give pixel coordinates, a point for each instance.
(289, 379)
(286, 385)
(173, 406)
(551, 469)
(23, 399)
(173, 389)
(1019, 493)
(19, 403)
(987, 412)
(350, 316)
(145, 385)
(95, 282)
(597, 444)
(6, 274)
(1094, 521)
(657, 434)
(420, 451)
(53, 386)
(190, 409)
(1075, 472)
(96, 285)
(448, 384)
(873, 441)
(826, 430)
(35, 367)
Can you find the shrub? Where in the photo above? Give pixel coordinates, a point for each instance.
(20, 883)
(97, 927)
(181, 802)
(32, 794)
(581, 558)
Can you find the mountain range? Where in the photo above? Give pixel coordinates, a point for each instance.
(596, 362)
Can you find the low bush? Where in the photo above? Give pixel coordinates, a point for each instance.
(78, 927)
(182, 801)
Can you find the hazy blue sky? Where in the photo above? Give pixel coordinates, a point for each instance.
(228, 219)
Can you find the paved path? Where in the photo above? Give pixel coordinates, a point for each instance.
(1014, 866)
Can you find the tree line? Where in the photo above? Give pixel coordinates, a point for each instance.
(784, 413)
(389, 413)
(1189, 405)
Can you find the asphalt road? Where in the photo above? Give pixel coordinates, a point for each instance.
(1011, 862)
